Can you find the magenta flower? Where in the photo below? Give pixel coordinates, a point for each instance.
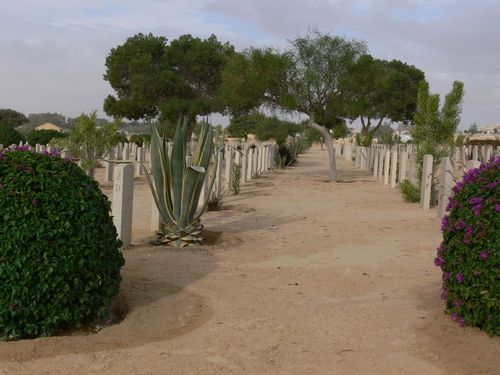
(439, 261)
(497, 207)
(444, 223)
(455, 317)
(459, 277)
(34, 202)
(446, 276)
(476, 200)
(458, 302)
(460, 224)
(484, 255)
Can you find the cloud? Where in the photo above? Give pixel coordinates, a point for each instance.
(53, 51)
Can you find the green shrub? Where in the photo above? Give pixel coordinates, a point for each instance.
(43, 137)
(285, 156)
(236, 179)
(139, 139)
(59, 253)
(409, 192)
(9, 135)
(470, 252)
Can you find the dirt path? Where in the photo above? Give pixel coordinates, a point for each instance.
(305, 277)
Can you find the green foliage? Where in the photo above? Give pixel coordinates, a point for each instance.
(151, 77)
(216, 199)
(90, 143)
(364, 140)
(43, 137)
(9, 135)
(286, 154)
(59, 255)
(460, 140)
(387, 138)
(409, 192)
(12, 118)
(470, 252)
(434, 129)
(176, 187)
(375, 90)
(139, 139)
(236, 179)
(119, 138)
(265, 128)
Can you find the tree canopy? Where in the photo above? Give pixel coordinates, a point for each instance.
(305, 78)
(376, 90)
(152, 77)
(12, 118)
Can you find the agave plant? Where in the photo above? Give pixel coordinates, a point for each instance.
(176, 187)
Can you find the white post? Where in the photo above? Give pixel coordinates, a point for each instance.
(347, 151)
(228, 155)
(218, 173)
(394, 168)
(139, 169)
(381, 155)
(472, 164)
(387, 166)
(375, 164)
(445, 185)
(108, 171)
(426, 186)
(402, 166)
(122, 205)
(249, 164)
(244, 163)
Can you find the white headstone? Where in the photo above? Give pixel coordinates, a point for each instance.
(445, 185)
(123, 197)
(426, 186)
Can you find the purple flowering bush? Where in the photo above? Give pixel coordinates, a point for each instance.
(60, 258)
(470, 252)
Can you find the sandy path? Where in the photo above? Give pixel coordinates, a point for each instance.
(306, 277)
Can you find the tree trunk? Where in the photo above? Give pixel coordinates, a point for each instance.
(329, 145)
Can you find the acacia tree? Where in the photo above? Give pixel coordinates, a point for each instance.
(305, 78)
(152, 77)
(378, 90)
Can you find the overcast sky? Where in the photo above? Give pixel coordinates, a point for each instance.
(52, 52)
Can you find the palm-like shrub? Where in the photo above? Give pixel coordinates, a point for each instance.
(470, 252)
(59, 253)
(176, 187)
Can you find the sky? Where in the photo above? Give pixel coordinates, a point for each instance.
(52, 52)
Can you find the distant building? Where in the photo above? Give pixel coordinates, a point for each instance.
(490, 129)
(49, 126)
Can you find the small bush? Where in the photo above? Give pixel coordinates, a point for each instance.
(9, 135)
(59, 253)
(139, 139)
(285, 156)
(216, 199)
(410, 192)
(236, 179)
(470, 252)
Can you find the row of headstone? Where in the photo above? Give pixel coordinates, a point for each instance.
(252, 159)
(393, 164)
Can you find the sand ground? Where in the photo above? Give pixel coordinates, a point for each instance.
(301, 277)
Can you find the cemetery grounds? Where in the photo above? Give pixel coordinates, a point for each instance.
(299, 276)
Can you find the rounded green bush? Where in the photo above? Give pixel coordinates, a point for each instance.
(60, 258)
(470, 252)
